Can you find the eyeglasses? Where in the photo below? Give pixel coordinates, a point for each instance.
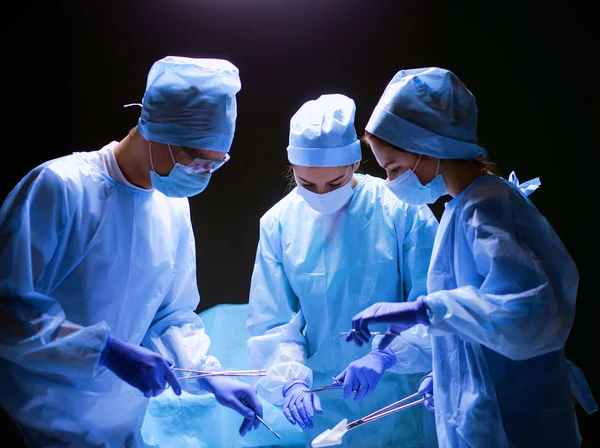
(201, 164)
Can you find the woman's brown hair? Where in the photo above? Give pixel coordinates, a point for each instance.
(486, 164)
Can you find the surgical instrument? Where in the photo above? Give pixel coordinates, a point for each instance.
(386, 411)
(262, 421)
(333, 386)
(334, 436)
(206, 373)
(268, 427)
(373, 333)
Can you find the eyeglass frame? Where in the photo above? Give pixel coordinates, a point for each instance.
(216, 164)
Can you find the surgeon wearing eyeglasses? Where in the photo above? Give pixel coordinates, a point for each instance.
(98, 270)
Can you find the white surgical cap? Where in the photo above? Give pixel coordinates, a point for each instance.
(428, 111)
(322, 133)
(191, 102)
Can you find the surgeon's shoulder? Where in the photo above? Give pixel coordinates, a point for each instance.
(490, 193)
(492, 201)
(54, 175)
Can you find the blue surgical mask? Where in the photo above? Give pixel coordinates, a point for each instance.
(327, 203)
(181, 182)
(408, 188)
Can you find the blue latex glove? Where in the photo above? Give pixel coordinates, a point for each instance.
(399, 315)
(236, 395)
(143, 369)
(364, 374)
(426, 389)
(300, 406)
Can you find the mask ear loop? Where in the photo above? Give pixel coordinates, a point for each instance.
(150, 154)
(438, 168)
(171, 153)
(418, 160)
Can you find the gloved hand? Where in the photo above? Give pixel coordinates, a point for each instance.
(364, 374)
(426, 389)
(143, 369)
(300, 406)
(399, 315)
(236, 395)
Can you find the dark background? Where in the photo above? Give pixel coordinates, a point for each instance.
(76, 63)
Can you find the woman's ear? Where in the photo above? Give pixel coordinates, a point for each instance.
(355, 167)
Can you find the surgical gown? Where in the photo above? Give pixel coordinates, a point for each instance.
(82, 256)
(502, 291)
(313, 272)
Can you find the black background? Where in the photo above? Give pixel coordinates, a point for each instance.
(73, 65)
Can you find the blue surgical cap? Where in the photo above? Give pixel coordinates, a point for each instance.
(322, 133)
(191, 102)
(428, 111)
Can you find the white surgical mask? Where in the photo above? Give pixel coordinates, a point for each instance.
(327, 203)
(408, 188)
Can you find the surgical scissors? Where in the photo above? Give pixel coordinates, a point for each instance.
(333, 386)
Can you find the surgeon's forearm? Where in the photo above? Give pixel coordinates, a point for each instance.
(270, 386)
(412, 349)
(181, 338)
(36, 335)
(519, 326)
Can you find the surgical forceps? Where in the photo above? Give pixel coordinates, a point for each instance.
(210, 373)
(390, 409)
(334, 436)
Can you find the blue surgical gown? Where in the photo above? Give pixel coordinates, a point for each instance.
(312, 273)
(501, 293)
(82, 256)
